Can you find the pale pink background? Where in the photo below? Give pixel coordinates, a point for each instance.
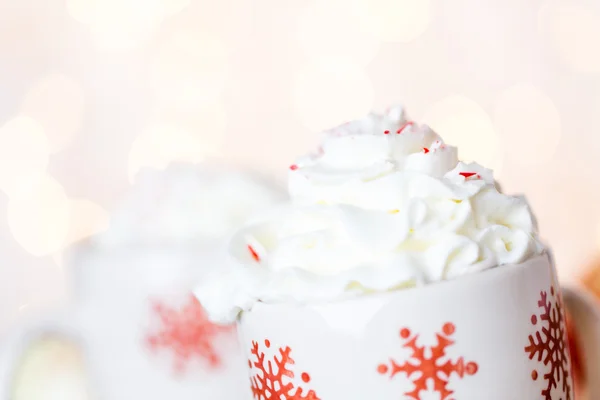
(103, 87)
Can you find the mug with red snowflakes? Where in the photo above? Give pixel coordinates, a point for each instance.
(143, 334)
(499, 334)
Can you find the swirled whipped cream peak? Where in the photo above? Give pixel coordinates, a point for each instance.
(384, 204)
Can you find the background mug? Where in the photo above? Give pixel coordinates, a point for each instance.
(143, 334)
(499, 334)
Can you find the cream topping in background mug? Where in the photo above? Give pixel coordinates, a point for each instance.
(187, 203)
(143, 334)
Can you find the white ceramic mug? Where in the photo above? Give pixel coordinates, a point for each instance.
(144, 335)
(498, 334)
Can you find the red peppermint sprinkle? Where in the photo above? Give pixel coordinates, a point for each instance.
(425, 150)
(467, 174)
(386, 132)
(254, 253)
(409, 123)
(293, 167)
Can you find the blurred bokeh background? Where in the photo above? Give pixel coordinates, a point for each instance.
(93, 90)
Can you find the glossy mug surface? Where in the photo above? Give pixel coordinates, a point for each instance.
(499, 334)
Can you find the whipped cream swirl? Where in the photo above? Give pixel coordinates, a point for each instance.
(384, 204)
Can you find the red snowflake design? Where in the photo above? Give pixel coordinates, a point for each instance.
(267, 376)
(420, 368)
(187, 333)
(550, 346)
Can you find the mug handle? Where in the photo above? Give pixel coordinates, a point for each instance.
(583, 317)
(65, 324)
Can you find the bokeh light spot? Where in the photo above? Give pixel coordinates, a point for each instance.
(395, 20)
(189, 70)
(118, 24)
(574, 30)
(461, 122)
(330, 93)
(81, 10)
(163, 143)
(57, 102)
(332, 29)
(87, 219)
(172, 7)
(529, 124)
(24, 153)
(38, 217)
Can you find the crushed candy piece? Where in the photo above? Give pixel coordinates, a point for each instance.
(254, 253)
(406, 125)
